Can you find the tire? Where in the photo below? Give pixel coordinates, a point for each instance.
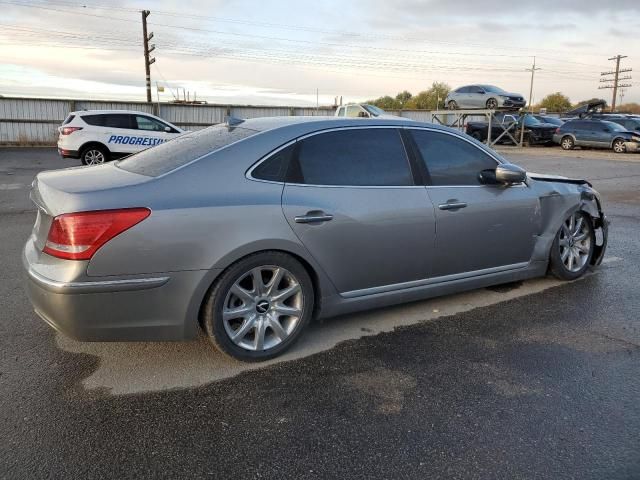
(575, 239)
(492, 104)
(263, 327)
(94, 155)
(618, 146)
(567, 143)
(452, 105)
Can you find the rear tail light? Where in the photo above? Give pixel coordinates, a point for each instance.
(77, 236)
(69, 130)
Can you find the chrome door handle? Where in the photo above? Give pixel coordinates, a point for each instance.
(452, 205)
(314, 217)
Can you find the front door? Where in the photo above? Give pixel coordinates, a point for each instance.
(353, 203)
(479, 227)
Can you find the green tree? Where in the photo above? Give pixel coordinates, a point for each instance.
(386, 103)
(429, 99)
(556, 102)
(403, 97)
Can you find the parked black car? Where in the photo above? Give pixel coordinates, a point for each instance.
(552, 120)
(597, 134)
(535, 131)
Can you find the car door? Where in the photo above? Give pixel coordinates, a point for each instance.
(150, 132)
(479, 227)
(476, 97)
(582, 133)
(351, 200)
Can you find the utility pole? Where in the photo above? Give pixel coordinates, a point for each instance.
(616, 79)
(147, 50)
(533, 72)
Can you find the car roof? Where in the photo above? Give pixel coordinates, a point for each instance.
(324, 122)
(104, 112)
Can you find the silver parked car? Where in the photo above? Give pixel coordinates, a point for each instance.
(483, 96)
(249, 231)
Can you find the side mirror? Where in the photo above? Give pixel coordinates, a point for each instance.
(363, 115)
(508, 174)
(167, 129)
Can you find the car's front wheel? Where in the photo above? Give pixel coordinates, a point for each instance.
(619, 146)
(572, 247)
(259, 306)
(492, 104)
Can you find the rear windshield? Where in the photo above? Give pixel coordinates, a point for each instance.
(183, 149)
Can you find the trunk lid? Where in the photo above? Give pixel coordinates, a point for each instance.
(81, 189)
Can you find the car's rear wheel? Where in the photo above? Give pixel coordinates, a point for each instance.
(572, 248)
(618, 146)
(94, 155)
(567, 143)
(492, 104)
(259, 306)
(452, 105)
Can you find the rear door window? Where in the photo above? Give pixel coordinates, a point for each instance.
(451, 160)
(183, 149)
(119, 120)
(357, 157)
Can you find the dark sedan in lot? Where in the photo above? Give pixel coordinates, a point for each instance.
(248, 230)
(596, 134)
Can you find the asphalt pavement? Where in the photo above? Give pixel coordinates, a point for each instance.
(538, 379)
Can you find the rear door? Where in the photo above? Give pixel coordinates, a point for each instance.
(352, 201)
(479, 227)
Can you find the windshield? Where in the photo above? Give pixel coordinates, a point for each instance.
(530, 121)
(375, 111)
(492, 89)
(615, 127)
(183, 149)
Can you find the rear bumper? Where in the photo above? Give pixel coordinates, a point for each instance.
(68, 153)
(150, 308)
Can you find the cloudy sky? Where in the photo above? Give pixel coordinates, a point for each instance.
(283, 51)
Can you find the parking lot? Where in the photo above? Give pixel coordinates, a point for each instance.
(525, 380)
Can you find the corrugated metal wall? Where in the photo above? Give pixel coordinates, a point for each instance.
(34, 121)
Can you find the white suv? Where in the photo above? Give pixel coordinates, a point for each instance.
(97, 136)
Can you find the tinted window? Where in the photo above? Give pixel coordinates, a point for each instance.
(463, 90)
(576, 125)
(148, 123)
(475, 89)
(372, 157)
(96, 120)
(118, 120)
(274, 168)
(68, 120)
(451, 160)
(183, 149)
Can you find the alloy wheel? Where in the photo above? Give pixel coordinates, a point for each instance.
(618, 146)
(575, 243)
(93, 157)
(263, 308)
(492, 104)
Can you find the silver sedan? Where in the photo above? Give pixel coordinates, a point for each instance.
(250, 230)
